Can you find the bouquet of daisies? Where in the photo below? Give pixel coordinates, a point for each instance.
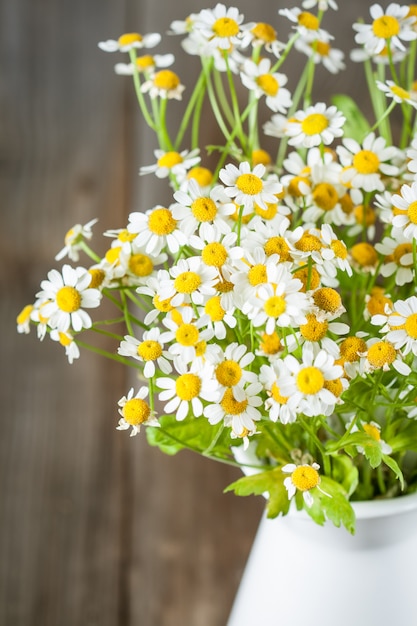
(268, 310)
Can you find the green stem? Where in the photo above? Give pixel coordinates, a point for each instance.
(108, 355)
(141, 100)
(194, 103)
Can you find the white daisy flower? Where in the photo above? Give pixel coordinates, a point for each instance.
(68, 294)
(381, 355)
(306, 23)
(196, 207)
(322, 5)
(398, 253)
(276, 126)
(316, 331)
(188, 338)
(322, 52)
(239, 415)
(144, 64)
(155, 230)
(263, 34)
(72, 351)
(149, 350)
(219, 27)
(217, 318)
(397, 93)
(135, 411)
(217, 251)
(172, 163)
(259, 79)
(405, 204)
(23, 319)
(317, 124)
(189, 281)
(230, 372)
(373, 429)
(365, 164)
(128, 41)
(276, 404)
(186, 392)
(73, 240)
(279, 302)
(335, 255)
(247, 187)
(41, 320)
(303, 478)
(152, 289)
(359, 55)
(404, 320)
(389, 26)
(304, 383)
(164, 84)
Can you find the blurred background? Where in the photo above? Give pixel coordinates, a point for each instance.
(96, 528)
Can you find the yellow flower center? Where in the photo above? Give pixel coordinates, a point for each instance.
(276, 395)
(364, 254)
(230, 405)
(136, 411)
(170, 159)
(278, 245)
(270, 344)
(381, 353)
(187, 386)
(366, 162)
(162, 305)
(112, 255)
(334, 386)
(68, 299)
(294, 188)
(265, 32)
(64, 339)
(347, 204)
(385, 27)
(261, 157)
(364, 215)
(310, 380)
(325, 196)
(314, 124)
(411, 325)
(228, 373)
(305, 477)
(275, 306)
(97, 277)
(200, 348)
(400, 251)
(187, 282)
(339, 249)
(214, 309)
(327, 299)
(24, 314)
(214, 254)
(268, 84)
(125, 236)
(257, 275)
(145, 62)
(161, 222)
(202, 175)
(249, 184)
(140, 265)
(412, 10)
(224, 286)
(400, 92)
(187, 335)
(166, 80)
(150, 350)
(350, 349)
(308, 20)
(69, 237)
(308, 243)
(225, 27)
(373, 431)
(412, 212)
(310, 279)
(321, 47)
(377, 302)
(129, 38)
(269, 213)
(314, 330)
(204, 209)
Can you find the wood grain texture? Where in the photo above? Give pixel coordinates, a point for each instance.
(96, 529)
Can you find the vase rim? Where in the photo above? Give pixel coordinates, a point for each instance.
(367, 509)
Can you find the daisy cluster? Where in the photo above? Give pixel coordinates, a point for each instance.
(270, 305)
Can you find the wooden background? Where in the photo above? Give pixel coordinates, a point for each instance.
(96, 529)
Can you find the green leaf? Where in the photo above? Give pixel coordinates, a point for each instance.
(395, 468)
(194, 433)
(345, 473)
(356, 125)
(330, 502)
(272, 482)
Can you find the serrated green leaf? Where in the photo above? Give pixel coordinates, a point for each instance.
(356, 125)
(271, 482)
(393, 465)
(345, 473)
(330, 502)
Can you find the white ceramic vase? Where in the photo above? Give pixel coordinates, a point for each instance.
(299, 573)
